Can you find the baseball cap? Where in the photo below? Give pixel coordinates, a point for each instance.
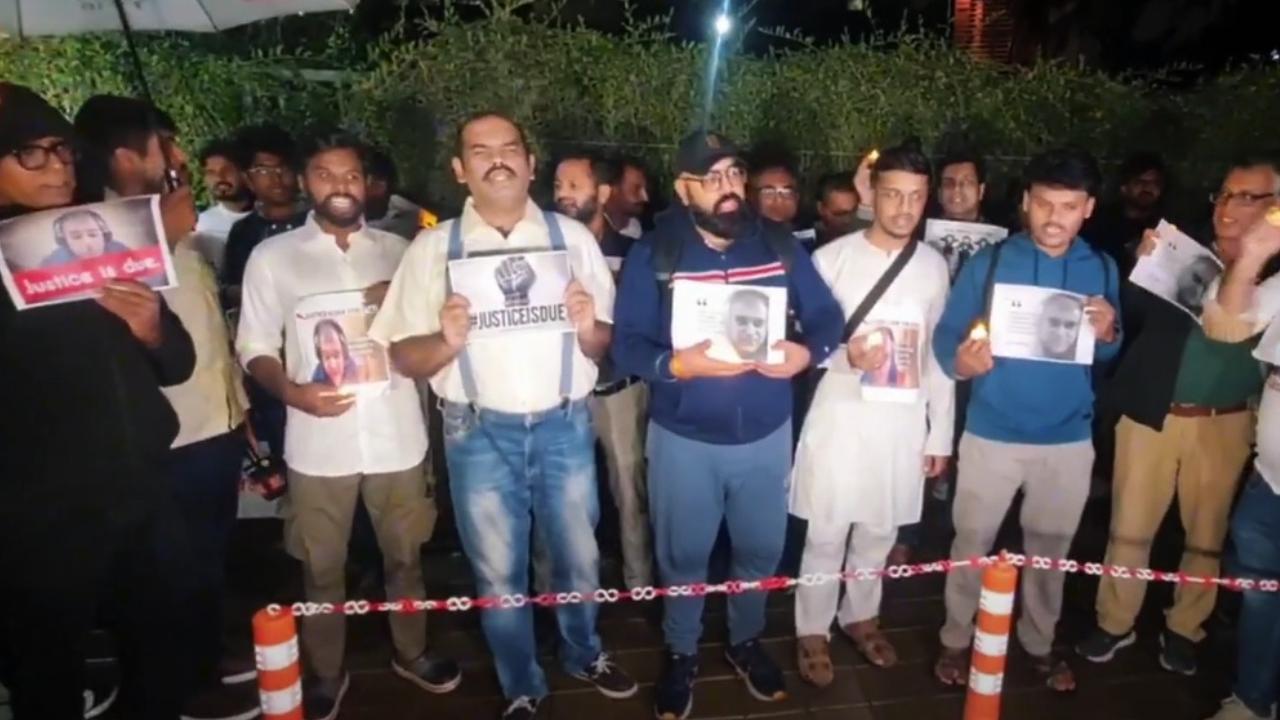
(26, 117)
(701, 149)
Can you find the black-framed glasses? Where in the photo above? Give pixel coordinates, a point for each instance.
(733, 175)
(36, 157)
(778, 193)
(1247, 199)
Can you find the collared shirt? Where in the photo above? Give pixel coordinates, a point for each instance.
(212, 227)
(382, 433)
(514, 374)
(212, 402)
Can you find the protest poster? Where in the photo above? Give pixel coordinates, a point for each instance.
(333, 335)
(68, 254)
(899, 330)
(958, 241)
(514, 292)
(1035, 323)
(1179, 270)
(741, 321)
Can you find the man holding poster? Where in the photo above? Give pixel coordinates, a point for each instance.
(517, 428)
(341, 446)
(1029, 423)
(720, 431)
(885, 402)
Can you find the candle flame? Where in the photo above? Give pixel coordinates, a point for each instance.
(873, 155)
(979, 331)
(874, 340)
(1273, 216)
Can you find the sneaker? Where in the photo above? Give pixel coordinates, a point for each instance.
(1177, 654)
(764, 679)
(322, 698)
(221, 703)
(673, 695)
(97, 702)
(1234, 709)
(522, 708)
(1100, 646)
(611, 680)
(237, 670)
(434, 675)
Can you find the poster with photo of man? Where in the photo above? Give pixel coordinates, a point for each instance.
(514, 292)
(742, 321)
(68, 254)
(1036, 323)
(1178, 270)
(332, 329)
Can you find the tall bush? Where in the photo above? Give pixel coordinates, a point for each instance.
(572, 86)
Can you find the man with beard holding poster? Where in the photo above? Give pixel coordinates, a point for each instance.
(719, 432)
(340, 448)
(517, 429)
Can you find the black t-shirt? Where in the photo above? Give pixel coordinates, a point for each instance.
(247, 234)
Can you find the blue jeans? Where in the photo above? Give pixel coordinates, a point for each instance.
(692, 487)
(1255, 532)
(502, 469)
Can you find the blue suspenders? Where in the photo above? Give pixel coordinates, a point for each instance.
(569, 340)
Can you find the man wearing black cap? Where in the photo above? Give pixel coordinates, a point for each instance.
(720, 432)
(84, 438)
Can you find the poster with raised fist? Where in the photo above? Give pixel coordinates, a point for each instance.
(514, 293)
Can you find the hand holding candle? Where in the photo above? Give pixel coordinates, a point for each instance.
(1261, 242)
(979, 331)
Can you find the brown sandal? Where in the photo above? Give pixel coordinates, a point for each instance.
(872, 643)
(1055, 671)
(952, 667)
(813, 657)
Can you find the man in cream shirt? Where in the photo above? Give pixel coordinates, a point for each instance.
(339, 446)
(517, 429)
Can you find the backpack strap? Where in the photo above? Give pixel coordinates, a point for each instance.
(989, 283)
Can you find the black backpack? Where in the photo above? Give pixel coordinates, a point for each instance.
(990, 282)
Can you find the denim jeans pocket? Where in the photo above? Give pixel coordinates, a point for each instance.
(457, 423)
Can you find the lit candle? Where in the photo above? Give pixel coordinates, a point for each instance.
(874, 340)
(979, 331)
(873, 156)
(1273, 216)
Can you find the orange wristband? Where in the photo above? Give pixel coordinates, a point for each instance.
(676, 368)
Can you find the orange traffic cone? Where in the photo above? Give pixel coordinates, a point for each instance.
(991, 641)
(275, 649)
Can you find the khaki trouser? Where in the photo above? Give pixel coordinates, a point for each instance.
(318, 522)
(1198, 458)
(620, 420)
(1054, 480)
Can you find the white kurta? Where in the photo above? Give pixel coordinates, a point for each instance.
(861, 460)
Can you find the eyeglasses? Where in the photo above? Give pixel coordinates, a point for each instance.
(778, 193)
(36, 157)
(268, 170)
(1247, 199)
(962, 184)
(733, 175)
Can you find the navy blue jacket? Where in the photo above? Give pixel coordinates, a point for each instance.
(722, 411)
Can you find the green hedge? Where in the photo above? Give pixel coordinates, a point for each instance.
(573, 86)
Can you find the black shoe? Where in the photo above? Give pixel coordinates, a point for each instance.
(611, 680)
(673, 695)
(1101, 646)
(1177, 654)
(764, 680)
(322, 699)
(98, 701)
(434, 675)
(522, 708)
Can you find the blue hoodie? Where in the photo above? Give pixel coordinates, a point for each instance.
(722, 411)
(1028, 401)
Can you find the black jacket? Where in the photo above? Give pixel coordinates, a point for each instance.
(1146, 372)
(246, 234)
(84, 429)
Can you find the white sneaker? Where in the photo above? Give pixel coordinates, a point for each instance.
(1233, 709)
(96, 704)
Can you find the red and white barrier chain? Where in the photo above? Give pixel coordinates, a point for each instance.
(736, 587)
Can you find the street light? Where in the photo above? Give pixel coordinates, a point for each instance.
(723, 25)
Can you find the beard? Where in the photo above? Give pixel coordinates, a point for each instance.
(720, 221)
(584, 213)
(225, 192)
(343, 217)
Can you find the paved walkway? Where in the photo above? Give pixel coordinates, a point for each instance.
(1132, 687)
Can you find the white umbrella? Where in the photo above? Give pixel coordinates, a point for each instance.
(29, 18)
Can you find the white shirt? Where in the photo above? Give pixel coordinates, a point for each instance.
(212, 401)
(212, 227)
(383, 433)
(890, 439)
(1262, 313)
(517, 374)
